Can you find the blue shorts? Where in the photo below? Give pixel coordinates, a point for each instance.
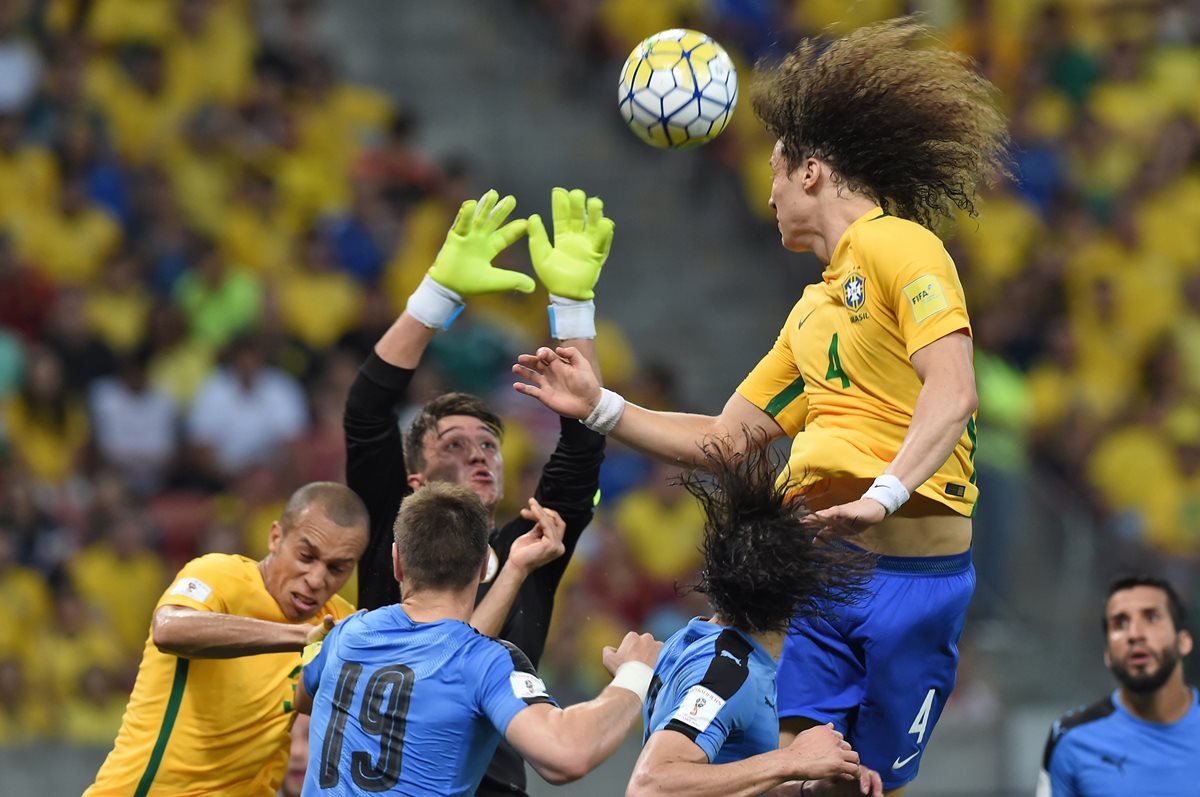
(881, 671)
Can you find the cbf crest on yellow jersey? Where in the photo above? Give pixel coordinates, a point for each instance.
(209, 726)
(839, 378)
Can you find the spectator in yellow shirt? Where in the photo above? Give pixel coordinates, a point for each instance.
(92, 713)
(256, 234)
(24, 714)
(27, 176)
(143, 115)
(70, 241)
(118, 305)
(78, 638)
(47, 427)
(121, 578)
(24, 599)
(662, 525)
(318, 303)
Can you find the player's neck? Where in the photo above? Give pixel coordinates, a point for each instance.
(1169, 704)
(429, 605)
(771, 641)
(839, 209)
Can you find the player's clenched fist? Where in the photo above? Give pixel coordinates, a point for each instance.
(641, 648)
(821, 752)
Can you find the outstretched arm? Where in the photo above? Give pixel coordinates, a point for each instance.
(194, 634)
(562, 379)
(563, 745)
(672, 764)
(943, 408)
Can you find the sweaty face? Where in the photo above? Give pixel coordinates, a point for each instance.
(310, 562)
(1144, 647)
(792, 204)
(462, 450)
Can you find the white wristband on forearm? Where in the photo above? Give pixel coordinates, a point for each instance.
(889, 491)
(434, 305)
(607, 412)
(571, 318)
(634, 676)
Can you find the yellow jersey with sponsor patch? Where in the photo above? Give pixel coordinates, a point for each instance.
(209, 726)
(839, 378)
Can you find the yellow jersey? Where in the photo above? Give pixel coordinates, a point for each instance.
(839, 378)
(209, 726)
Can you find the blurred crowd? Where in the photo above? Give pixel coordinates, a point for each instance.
(204, 228)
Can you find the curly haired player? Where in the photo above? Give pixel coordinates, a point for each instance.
(879, 135)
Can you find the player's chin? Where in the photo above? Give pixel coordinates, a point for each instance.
(792, 243)
(489, 492)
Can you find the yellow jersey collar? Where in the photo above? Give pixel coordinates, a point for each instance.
(831, 272)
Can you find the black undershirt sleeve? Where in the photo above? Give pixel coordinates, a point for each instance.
(375, 470)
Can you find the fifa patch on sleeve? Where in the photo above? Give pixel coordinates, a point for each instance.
(925, 297)
(192, 588)
(698, 708)
(526, 685)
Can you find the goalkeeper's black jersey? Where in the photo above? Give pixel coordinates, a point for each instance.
(375, 470)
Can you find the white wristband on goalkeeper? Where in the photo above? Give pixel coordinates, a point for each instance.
(889, 491)
(634, 676)
(607, 412)
(571, 318)
(434, 305)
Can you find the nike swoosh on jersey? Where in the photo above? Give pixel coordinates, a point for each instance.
(900, 764)
(801, 324)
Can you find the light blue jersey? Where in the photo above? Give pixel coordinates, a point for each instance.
(716, 686)
(408, 708)
(1104, 751)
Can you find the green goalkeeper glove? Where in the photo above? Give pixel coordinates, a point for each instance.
(464, 267)
(582, 237)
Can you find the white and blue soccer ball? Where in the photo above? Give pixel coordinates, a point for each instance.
(678, 89)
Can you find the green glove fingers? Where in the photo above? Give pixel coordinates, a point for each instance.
(582, 236)
(575, 221)
(508, 235)
(466, 215)
(464, 264)
(540, 249)
(560, 209)
(603, 238)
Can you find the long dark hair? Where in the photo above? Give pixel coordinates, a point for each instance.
(762, 565)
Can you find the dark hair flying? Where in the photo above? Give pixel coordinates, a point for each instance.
(762, 565)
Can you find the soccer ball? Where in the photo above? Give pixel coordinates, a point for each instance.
(678, 89)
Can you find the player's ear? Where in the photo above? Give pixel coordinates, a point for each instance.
(275, 538)
(811, 173)
(397, 570)
(1185, 643)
